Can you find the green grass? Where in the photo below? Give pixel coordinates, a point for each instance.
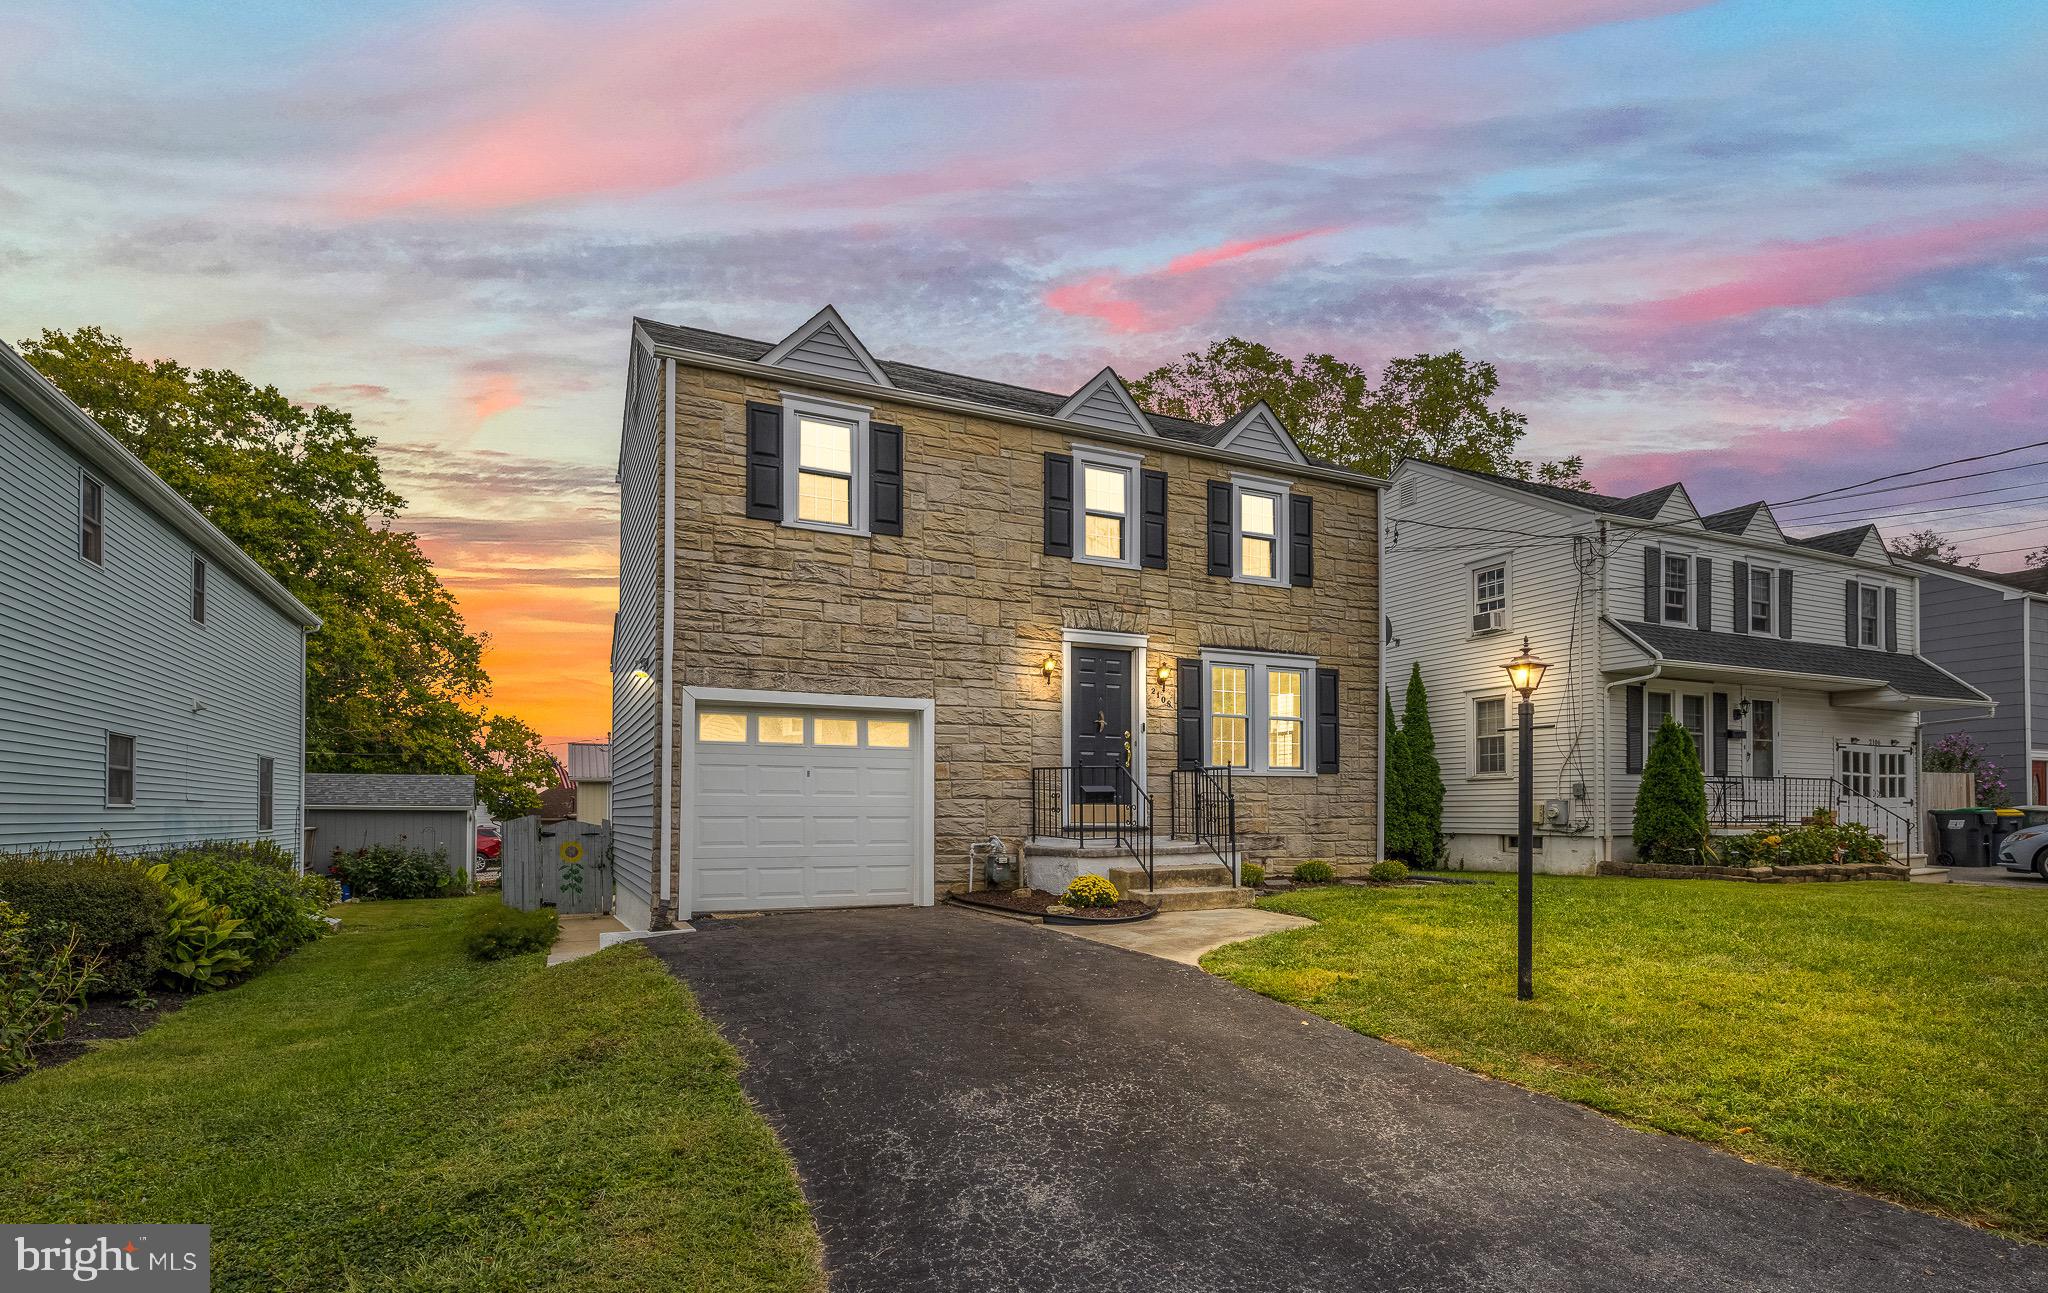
(380, 1112)
(1888, 1036)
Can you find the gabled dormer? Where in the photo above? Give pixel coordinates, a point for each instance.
(1861, 542)
(1666, 505)
(1104, 401)
(826, 346)
(1258, 431)
(1750, 521)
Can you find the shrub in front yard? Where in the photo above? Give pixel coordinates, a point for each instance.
(205, 944)
(1387, 872)
(1671, 802)
(117, 910)
(1415, 781)
(1090, 891)
(385, 871)
(279, 909)
(495, 932)
(1313, 871)
(1820, 841)
(1250, 874)
(42, 983)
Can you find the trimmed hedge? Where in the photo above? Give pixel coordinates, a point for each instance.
(117, 910)
(494, 933)
(1314, 871)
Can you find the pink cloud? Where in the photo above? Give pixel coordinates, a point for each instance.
(486, 395)
(527, 108)
(1183, 291)
(1750, 464)
(1831, 269)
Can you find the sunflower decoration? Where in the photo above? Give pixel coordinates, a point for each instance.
(571, 851)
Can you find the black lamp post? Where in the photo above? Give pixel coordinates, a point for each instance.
(1525, 675)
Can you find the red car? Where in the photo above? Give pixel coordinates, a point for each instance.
(488, 842)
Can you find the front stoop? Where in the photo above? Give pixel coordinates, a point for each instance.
(1183, 886)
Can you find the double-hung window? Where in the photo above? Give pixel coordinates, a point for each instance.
(1258, 712)
(1104, 532)
(825, 465)
(1677, 599)
(92, 501)
(1762, 604)
(120, 770)
(1490, 597)
(1489, 736)
(1869, 615)
(1259, 541)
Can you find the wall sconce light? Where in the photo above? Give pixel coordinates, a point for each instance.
(1049, 666)
(1163, 674)
(641, 670)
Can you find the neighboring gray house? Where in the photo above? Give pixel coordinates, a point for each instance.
(152, 675)
(1992, 630)
(346, 811)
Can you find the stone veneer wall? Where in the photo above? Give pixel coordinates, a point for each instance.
(964, 605)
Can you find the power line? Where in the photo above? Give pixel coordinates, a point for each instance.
(1921, 484)
(1933, 466)
(1913, 510)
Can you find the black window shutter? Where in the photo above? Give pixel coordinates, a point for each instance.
(1326, 720)
(1849, 634)
(1152, 528)
(1188, 715)
(1219, 528)
(1059, 505)
(1891, 619)
(1720, 741)
(1301, 548)
(1784, 603)
(1739, 603)
(1653, 568)
(1703, 610)
(885, 475)
(764, 461)
(1633, 746)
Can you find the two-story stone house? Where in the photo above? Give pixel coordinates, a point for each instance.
(1793, 662)
(872, 613)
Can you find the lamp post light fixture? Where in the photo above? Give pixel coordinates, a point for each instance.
(1525, 675)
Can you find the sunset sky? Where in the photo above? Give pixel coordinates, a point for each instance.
(1761, 245)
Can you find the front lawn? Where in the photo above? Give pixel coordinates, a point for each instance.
(380, 1112)
(1888, 1036)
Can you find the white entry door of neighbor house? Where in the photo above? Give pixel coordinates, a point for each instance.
(793, 807)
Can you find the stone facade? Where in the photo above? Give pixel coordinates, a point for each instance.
(964, 605)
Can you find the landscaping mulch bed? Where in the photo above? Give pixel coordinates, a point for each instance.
(1036, 902)
(101, 1021)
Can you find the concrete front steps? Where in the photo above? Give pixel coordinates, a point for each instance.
(1189, 876)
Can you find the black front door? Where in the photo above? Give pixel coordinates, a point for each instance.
(1100, 720)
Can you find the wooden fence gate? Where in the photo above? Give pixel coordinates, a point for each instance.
(564, 865)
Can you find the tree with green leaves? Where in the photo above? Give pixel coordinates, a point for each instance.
(395, 679)
(1671, 801)
(1415, 780)
(1434, 407)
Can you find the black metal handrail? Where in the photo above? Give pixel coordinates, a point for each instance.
(1202, 806)
(1102, 802)
(1761, 801)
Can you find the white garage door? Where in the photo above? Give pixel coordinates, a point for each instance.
(804, 808)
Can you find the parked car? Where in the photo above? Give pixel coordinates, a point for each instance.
(488, 843)
(2026, 850)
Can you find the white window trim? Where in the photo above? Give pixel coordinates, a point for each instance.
(1086, 456)
(1507, 588)
(1771, 574)
(1257, 747)
(795, 406)
(1507, 699)
(107, 768)
(1240, 485)
(1678, 692)
(1876, 642)
(1692, 587)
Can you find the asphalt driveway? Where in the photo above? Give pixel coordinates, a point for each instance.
(976, 1104)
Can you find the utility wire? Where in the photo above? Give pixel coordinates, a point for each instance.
(1933, 466)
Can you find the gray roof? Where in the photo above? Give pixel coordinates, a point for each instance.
(932, 381)
(1733, 520)
(65, 421)
(388, 790)
(1843, 543)
(1643, 506)
(1908, 673)
(2027, 581)
(589, 761)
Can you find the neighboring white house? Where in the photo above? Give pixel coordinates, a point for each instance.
(590, 767)
(1793, 661)
(152, 675)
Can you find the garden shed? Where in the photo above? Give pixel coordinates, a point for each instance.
(351, 810)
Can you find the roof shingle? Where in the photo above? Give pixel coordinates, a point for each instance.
(1910, 674)
(380, 790)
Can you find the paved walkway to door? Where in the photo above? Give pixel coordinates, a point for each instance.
(978, 1104)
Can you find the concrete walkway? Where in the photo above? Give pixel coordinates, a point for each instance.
(982, 1104)
(1187, 936)
(581, 935)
